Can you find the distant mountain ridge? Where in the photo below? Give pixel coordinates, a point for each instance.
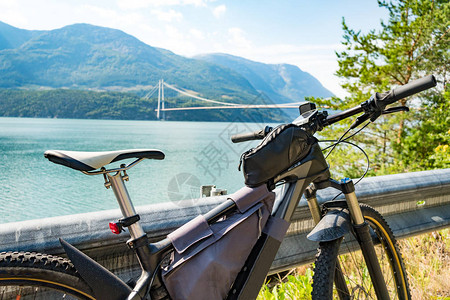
(282, 82)
(84, 56)
(12, 37)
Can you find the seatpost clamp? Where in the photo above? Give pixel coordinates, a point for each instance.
(125, 176)
(107, 183)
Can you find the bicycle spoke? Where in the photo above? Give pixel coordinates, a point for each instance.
(354, 269)
(355, 262)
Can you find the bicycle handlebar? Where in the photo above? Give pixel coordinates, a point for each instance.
(373, 107)
(249, 136)
(379, 101)
(414, 87)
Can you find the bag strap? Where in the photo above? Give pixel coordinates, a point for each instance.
(190, 233)
(246, 197)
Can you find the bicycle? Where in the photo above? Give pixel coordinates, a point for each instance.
(338, 222)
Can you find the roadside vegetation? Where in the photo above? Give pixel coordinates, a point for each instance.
(427, 261)
(412, 43)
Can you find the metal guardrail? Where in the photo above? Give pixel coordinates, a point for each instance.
(411, 203)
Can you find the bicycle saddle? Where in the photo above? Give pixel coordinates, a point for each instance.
(89, 161)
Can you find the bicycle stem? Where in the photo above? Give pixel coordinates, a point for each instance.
(343, 115)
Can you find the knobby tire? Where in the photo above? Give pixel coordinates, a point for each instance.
(352, 266)
(25, 275)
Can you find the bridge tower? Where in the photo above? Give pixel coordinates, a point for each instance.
(160, 100)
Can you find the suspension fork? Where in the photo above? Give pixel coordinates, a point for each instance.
(314, 208)
(362, 232)
(364, 238)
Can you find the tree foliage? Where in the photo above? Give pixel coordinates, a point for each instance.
(78, 104)
(412, 43)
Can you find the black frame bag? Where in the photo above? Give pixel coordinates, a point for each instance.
(281, 148)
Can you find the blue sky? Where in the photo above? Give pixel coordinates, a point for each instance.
(302, 33)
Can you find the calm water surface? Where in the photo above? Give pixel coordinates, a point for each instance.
(197, 153)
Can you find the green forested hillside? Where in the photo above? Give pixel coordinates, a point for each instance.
(12, 37)
(81, 57)
(84, 56)
(281, 82)
(76, 104)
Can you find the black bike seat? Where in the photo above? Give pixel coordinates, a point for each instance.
(89, 161)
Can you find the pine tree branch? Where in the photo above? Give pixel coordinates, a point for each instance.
(433, 45)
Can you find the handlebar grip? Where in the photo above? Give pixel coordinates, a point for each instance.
(249, 136)
(414, 87)
(406, 90)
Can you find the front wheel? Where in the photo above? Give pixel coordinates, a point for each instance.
(342, 263)
(25, 275)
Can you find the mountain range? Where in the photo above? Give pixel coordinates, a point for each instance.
(83, 56)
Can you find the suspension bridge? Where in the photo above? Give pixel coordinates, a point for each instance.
(213, 104)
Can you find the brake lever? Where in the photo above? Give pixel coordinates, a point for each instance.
(366, 116)
(392, 110)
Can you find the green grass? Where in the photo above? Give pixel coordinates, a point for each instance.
(427, 262)
(297, 286)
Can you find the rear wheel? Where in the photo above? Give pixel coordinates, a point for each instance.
(25, 275)
(342, 259)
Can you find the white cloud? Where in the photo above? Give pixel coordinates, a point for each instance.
(173, 33)
(219, 11)
(101, 12)
(11, 13)
(109, 17)
(14, 18)
(194, 2)
(132, 4)
(139, 4)
(167, 16)
(176, 40)
(195, 33)
(236, 37)
(7, 3)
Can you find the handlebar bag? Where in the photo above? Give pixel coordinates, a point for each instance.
(207, 257)
(281, 148)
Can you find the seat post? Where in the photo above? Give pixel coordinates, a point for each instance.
(124, 200)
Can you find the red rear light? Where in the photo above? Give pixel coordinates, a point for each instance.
(115, 228)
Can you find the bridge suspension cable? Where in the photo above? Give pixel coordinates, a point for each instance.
(197, 97)
(152, 91)
(224, 105)
(291, 105)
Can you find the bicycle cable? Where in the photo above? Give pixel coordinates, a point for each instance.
(341, 140)
(147, 292)
(336, 142)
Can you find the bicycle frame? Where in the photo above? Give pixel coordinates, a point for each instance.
(313, 169)
(305, 177)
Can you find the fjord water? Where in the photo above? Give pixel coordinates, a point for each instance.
(197, 153)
